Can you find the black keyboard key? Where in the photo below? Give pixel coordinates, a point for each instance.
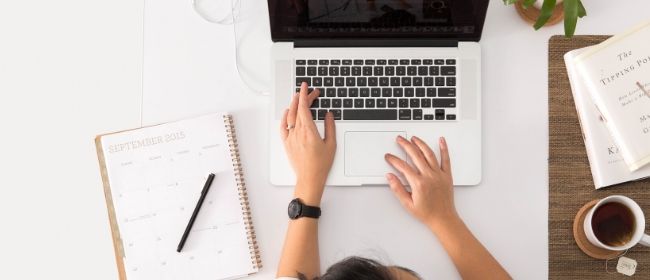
(335, 62)
(362, 81)
(317, 82)
(417, 114)
(375, 92)
(431, 92)
(299, 81)
(440, 117)
(440, 81)
(379, 114)
(337, 103)
(428, 81)
(370, 103)
(447, 92)
(448, 70)
(342, 92)
(409, 92)
(423, 70)
(364, 92)
(345, 71)
(331, 92)
(321, 114)
(339, 82)
(370, 62)
(417, 81)
(389, 71)
(398, 92)
(404, 114)
(439, 62)
(334, 71)
(300, 71)
(450, 62)
(324, 62)
(315, 104)
(440, 114)
(406, 81)
(392, 103)
(415, 103)
(312, 62)
(400, 71)
(358, 62)
(427, 62)
(381, 62)
(311, 71)
(356, 71)
(321, 92)
(350, 82)
(425, 102)
(325, 103)
(386, 92)
(358, 103)
(379, 71)
(419, 92)
(393, 62)
(416, 61)
(451, 81)
(328, 82)
(434, 70)
(373, 81)
(384, 82)
(451, 117)
(336, 113)
(428, 117)
(301, 62)
(353, 92)
(411, 70)
(395, 81)
(313, 114)
(347, 62)
(347, 103)
(404, 62)
(367, 71)
(322, 71)
(381, 103)
(403, 103)
(443, 102)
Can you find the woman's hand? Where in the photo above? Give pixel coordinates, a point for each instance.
(431, 199)
(311, 156)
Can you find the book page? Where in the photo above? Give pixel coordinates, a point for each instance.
(156, 175)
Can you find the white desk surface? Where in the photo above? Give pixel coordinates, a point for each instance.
(78, 74)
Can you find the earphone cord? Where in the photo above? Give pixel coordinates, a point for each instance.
(607, 260)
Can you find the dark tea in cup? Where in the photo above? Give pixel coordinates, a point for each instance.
(613, 224)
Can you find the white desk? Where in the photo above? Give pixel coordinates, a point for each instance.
(507, 211)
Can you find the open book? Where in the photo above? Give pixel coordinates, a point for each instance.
(153, 177)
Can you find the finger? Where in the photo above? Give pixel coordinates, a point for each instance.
(445, 161)
(429, 155)
(401, 166)
(304, 116)
(293, 110)
(399, 190)
(330, 129)
(415, 154)
(283, 125)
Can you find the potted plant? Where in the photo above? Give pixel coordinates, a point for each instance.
(542, 12)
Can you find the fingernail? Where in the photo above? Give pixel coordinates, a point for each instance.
(387, 155)
(443, 142)
(399, 137)
(389, 177)
(414, 138)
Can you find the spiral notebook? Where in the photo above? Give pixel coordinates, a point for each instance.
(153, 177)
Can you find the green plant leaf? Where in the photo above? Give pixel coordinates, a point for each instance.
(581, 10)
(509, 2)
(545, 14)
(570, 17)
(527, 3)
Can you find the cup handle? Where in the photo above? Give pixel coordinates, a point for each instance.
(645, 240)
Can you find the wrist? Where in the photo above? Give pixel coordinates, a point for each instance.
(309, 194)
(444, 222)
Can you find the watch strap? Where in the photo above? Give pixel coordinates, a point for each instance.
(310, 211)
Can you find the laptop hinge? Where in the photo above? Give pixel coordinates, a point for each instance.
(392, 43)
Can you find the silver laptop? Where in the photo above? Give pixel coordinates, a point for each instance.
(384, 68)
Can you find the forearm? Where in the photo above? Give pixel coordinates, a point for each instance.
(471, 259)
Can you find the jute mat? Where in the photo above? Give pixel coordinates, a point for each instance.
(570, 181)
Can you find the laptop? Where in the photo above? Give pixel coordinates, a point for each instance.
(384, 68)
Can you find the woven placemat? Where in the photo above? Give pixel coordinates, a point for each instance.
(570, 181)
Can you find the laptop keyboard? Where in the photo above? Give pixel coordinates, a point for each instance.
(381, 89)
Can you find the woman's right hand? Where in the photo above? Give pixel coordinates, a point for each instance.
(431, 199)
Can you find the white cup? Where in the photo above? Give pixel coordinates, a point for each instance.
(638, 237)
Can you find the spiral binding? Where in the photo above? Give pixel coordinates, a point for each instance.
(256, 260)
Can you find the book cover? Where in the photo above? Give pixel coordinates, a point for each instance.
(617, 75)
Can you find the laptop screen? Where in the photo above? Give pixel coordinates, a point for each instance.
(377, 19)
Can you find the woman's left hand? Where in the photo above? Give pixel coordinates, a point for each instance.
(311, 156)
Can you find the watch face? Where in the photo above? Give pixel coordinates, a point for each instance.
(294, 209)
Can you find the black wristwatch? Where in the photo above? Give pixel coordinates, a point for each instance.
(297, 209)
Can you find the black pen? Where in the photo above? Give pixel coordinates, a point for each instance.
(204, 192)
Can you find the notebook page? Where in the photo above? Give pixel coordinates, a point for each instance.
(156, 176)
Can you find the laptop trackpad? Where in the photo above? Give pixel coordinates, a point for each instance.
(365, 150)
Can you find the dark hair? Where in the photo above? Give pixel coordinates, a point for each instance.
(355, 268)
